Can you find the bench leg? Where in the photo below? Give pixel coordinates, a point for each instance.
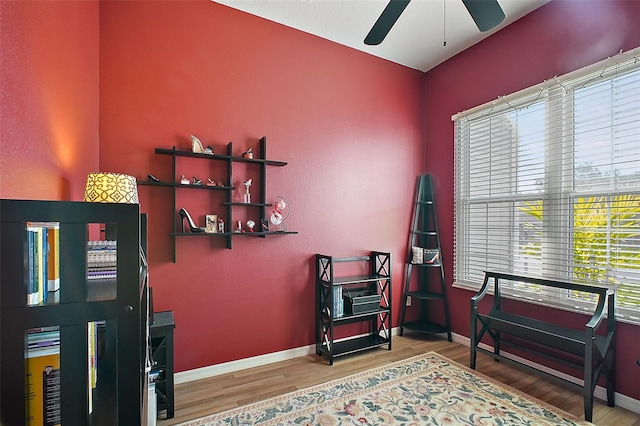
(610, 370)
(587, 389)
(588, 408)
(472, 343)
(472, 357)
(611, 393)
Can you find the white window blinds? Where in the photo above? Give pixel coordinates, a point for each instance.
(547, 184)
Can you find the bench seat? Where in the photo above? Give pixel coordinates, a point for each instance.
(595, 352)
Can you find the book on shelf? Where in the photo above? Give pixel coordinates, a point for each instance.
(32, 291)
(102, 259)
(37, 262)
(92, 360)
(43, 373)
(43, 386)
(53, 275)
(41, 339)
(338, 302)
(43, 261)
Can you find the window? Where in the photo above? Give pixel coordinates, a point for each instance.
(548, 185)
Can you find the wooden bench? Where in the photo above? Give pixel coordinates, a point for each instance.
(583, 349)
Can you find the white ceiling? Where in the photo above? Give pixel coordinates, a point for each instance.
(416, 40)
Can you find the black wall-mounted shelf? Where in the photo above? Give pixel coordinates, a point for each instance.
(262, 163)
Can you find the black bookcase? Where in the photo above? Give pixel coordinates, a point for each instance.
(362, 297)
(118, 306)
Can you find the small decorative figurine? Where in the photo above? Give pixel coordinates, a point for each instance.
(208, 150)
(211, 182)
(196, 145)
(238, 226)
(196, 181)
(247, 154)
(280, 213)
(247, 195)
(221, 183)
(220, 225)
(184, 180)
(250, 225)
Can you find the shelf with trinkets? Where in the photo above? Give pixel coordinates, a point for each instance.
(187, 227)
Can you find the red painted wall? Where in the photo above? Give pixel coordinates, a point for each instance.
(557, 38)
(49, 59)
(348, 124)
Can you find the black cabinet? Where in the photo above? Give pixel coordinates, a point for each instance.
(161, 332)
(95, 324)
(362, 294)
(222, 182)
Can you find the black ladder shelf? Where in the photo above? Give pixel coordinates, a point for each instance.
(424, 256)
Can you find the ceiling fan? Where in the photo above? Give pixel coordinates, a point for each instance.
(485, 13)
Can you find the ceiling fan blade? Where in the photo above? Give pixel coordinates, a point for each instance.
(485, 13)
(383, 25)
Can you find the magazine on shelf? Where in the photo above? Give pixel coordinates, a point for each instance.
(43, 386)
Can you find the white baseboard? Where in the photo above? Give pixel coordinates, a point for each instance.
(241, 364)
(256, 361)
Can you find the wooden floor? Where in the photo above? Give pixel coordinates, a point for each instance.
(200, 398)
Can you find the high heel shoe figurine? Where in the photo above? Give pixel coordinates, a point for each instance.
(197, 181)
(152, 178)
(192, 226)
(247, 196)
(196, 145)
(184, 180)
(208, 150)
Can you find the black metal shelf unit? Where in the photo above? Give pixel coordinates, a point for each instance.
(428, 287)
(354, 298)
(110, 312)
(262, 162)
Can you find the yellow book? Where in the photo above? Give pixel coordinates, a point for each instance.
(43, 386)
(92, 361)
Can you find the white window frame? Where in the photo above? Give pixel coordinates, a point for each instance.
(557, 95)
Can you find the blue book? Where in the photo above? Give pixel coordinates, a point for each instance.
(44, 262)
(31, 277)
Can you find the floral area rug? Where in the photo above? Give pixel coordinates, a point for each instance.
(424, 390)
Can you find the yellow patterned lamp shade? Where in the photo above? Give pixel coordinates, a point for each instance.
(111, 188)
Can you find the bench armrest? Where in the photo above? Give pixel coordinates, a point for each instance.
(598, 316)
(483, 291)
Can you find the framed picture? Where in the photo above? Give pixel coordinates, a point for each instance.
(211, 224)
